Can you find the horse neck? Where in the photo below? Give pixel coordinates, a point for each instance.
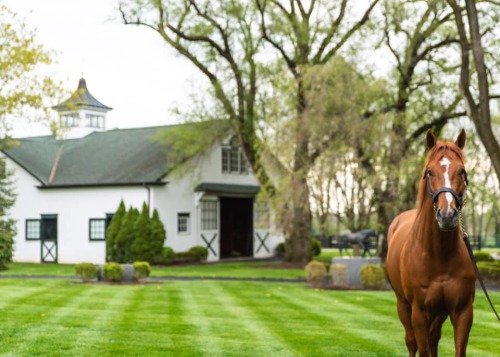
(428, 235)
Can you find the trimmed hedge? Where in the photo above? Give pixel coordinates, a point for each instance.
(141, 270)
(200, 252)
(316, 274)
(372, 276)
(86, 271)
(481, 256)
(112, 272)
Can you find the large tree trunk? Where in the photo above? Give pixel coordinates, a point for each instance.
(478, 112)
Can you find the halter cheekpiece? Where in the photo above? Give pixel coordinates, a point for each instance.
(460, 199)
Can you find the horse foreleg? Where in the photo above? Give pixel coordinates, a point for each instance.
(435, 332)
(462, 323)
(421, 328)
(404, 313)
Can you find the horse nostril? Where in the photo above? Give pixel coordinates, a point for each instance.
(438, 214)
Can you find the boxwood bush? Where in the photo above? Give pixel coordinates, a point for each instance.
(86, 271)
(200, 252)
(372, 276)
(112, 272)
(316, 274)
(141, 270)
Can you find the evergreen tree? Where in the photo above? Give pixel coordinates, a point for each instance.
(158, 236)
(7, 225)
(112, 232)
(125, 236)
(140, 247)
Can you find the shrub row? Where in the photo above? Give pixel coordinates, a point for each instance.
(111, 271)
(372, 276)
(193, 255)
(315, 248)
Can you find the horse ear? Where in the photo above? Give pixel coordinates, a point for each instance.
(460, 142)
(431, 139)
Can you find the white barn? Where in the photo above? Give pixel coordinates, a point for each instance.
(67, 191)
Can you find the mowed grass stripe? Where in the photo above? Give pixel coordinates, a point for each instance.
(325, 320)
(250, 335)
(30, 313)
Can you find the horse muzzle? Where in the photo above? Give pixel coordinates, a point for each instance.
(447, 221)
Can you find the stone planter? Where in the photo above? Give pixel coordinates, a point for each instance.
(128, 273)
(353, 266)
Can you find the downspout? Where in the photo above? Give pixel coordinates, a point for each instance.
(149, 195)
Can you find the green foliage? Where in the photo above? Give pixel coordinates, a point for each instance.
(482, 256)
(372, 276)
(158, 237)
(316, 247)
(140, 247)
(141, 270)
(186, 141)
(186, 257)
(280, 249)
(200, 252)
(112, 232)
(134, 236)
(489, 270)
(86, 271)
(26, 90)
(112, 271)
(7, 225)
(167, 255)
(316, 273)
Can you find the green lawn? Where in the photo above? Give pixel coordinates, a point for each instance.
(210, 318)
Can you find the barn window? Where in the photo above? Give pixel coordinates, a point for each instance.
(97, 229)
(208, 214)
(183, 223)
(233, 160)
(32, 229)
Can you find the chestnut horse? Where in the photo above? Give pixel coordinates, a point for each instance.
(428, 264)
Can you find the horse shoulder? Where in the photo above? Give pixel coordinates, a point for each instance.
(397, 236)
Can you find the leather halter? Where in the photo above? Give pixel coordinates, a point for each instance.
(460, 199)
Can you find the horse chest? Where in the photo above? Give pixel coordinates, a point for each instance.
(436, 288)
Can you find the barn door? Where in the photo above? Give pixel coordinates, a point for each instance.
(262, 231)
(209, 224)
(48, 238)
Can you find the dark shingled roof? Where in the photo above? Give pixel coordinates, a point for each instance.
(81, 98)
(116, 157)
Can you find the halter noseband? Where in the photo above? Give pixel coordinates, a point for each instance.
(460, 199)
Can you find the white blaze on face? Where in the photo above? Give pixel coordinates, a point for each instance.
(446, 163)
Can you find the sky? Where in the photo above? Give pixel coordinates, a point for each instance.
(128, 68)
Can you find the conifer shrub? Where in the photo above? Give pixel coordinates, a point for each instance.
(141, 270)
(112, 232)
(316, 274)
(112, 272)
(7, 225)
(280, 249)
(372, 276)
(201, 253)
(86, 271)
(134, 236)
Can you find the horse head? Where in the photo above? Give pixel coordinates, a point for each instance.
(445, 179)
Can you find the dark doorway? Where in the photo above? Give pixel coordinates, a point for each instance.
(236, 227)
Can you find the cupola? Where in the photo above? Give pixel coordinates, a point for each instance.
(81, 113)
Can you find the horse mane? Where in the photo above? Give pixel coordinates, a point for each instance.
(436, 152)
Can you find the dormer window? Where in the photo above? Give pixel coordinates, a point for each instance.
(94, 121)
(233, 160)
(70, 120)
